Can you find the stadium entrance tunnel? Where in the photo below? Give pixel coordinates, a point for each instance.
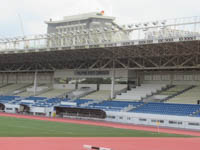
(2, 107)
(80, 112)
(24, 109)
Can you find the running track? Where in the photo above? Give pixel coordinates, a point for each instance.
(28, 143)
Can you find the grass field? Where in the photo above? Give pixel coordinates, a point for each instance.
(15, 127)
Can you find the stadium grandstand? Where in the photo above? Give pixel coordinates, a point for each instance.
(88, 66)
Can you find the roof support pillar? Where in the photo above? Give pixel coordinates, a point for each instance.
(35, 83)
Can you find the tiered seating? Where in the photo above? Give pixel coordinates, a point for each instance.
(99, 95)
(25, 94)
(11, 88)
(197, 115)
(174, 90)
(140, 92)
(6, 99)
(189, 97)
(44, 102)
(43, 88)
(167, 109)
(35, 98)
(54, 93)
(114, 105)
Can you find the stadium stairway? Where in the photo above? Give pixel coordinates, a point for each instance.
(128, 108)
(195, 113)
(141, 92)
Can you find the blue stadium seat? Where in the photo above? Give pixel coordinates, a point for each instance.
(167, 109)
(114, 105)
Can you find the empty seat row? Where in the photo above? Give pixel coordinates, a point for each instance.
(167, 109)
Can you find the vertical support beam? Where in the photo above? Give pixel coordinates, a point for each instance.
(35, 83)
(52, 79)
(2, 78)
(76, 84)
(171, 78)
(113, 85)
(7, 75)
(113, 82)
(16, 78)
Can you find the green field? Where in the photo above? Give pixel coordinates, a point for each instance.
(14, 127)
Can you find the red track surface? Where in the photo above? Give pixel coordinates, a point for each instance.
(114, 143)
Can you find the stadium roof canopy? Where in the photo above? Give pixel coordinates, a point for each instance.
(145, 55)
(165, 44)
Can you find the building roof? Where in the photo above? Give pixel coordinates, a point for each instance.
(81, 17)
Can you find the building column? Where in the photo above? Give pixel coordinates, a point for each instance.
(171, 78)
(35, 83)
(113, 85)
(76, 84)
(7, 76)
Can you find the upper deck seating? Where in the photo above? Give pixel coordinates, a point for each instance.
(189, 97)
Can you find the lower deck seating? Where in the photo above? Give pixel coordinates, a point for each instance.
(167, 109)
(6, 99)
(35, 98)
(113, 105)
(137, 107)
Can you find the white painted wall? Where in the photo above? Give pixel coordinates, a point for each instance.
(10, 108)
(118, 87)
(38, 109)
(183, 122)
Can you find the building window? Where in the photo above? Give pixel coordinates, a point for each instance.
(111, 117)
(142, 119)
(128, 118)
(194, 124)
(175, 122)
(161, 121)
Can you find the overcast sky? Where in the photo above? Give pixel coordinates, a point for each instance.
(33, 13)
